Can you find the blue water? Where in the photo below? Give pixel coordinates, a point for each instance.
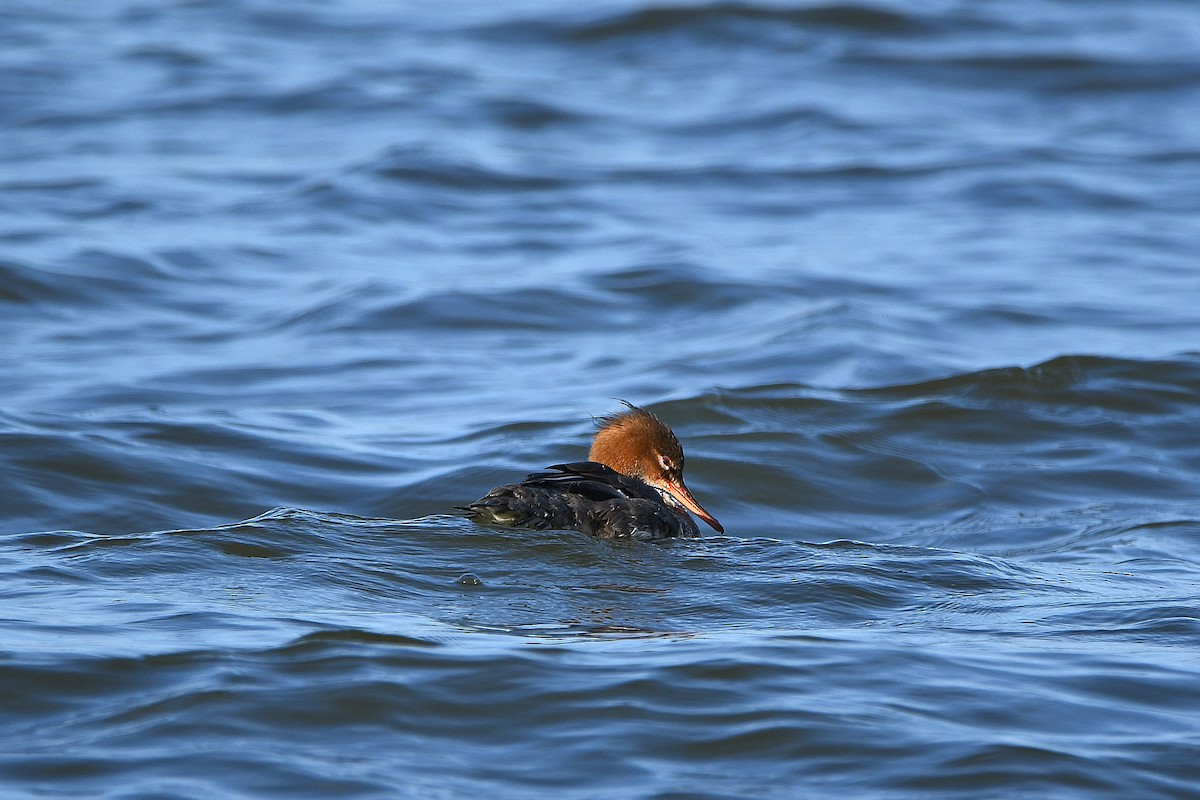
(283, 283)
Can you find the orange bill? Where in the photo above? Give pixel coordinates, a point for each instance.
(680, 492)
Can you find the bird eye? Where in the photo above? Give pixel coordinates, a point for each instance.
(665, 461)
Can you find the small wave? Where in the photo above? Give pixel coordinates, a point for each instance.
(665, 285)
(528, 113)
(1054, 73)
(98, 276)
(1021, 461)
(169, 55)
(1048, 193)
(723, 21)
(25, 284)
(1122, 385)
(422, 167)
(491, 311)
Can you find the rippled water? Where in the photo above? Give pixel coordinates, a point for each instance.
(282, 283)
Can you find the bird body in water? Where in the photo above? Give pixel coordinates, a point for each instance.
(631, 487)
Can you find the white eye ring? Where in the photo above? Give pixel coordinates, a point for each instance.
(664, 461)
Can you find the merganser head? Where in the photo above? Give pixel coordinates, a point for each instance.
(637, 443)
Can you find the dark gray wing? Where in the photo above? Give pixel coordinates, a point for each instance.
(587, 497)
(592, 480)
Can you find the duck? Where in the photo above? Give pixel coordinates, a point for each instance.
(630, 487)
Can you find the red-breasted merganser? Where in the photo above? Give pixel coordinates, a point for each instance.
(631, 487)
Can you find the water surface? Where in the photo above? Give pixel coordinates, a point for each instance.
(283, 283)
